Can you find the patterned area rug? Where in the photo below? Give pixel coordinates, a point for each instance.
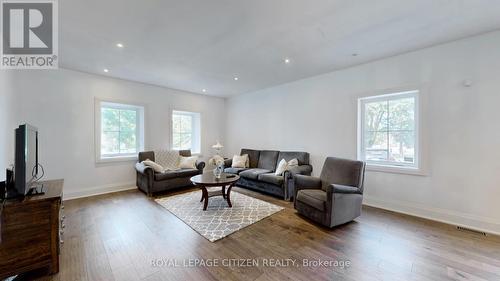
(218, 221)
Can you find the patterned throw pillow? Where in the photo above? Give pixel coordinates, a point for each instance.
(168, 159)
(240, 161)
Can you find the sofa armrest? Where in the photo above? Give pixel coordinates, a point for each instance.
(200, 166)
(342, 189)
(299, 170)
(143, 169)
(145, 178)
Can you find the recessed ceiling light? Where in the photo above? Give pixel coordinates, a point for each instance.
(287, 60)
(354, 54)
(106, 70)
(236, 78)
(204, 90)
(119, 45)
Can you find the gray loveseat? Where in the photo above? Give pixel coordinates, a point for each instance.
(150, 182)
(262, 165)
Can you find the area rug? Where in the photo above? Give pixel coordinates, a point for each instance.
(218, 221)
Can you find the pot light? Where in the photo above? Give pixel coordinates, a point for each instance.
(236, 78)
(119, 45)
(354, 55)
(106, 70)
(204, 90)
(287, 60)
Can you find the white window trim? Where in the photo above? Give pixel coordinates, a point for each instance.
(191, 113)
(390, 167)
(97, 131)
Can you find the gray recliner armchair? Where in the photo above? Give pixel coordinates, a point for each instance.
(335, 198)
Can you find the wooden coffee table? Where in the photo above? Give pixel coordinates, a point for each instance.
(208, 180)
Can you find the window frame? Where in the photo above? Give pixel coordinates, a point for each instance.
(195, 133)
(140, 130)
(390, 166)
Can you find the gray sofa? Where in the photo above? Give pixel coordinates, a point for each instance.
(335, 197)
(150, 182)
(262, 165)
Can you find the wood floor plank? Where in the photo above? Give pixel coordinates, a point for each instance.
(120, 236)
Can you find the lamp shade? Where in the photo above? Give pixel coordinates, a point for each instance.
(217, 146)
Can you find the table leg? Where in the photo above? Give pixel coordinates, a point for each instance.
(205, 197)
(224, 191)
(228, 195)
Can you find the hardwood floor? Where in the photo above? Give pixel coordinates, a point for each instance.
(116, 237)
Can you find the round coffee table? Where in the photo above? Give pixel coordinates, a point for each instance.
(208, 180)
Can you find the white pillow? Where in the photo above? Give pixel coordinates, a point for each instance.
(155, 166)
(187, 162)
(285, 166)
(282, 165)
(293, 163)
(240, 161)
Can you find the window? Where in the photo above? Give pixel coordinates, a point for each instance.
(388, 133)
(119, 131)
(186, 131)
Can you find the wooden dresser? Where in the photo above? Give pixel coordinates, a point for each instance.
(30, 234)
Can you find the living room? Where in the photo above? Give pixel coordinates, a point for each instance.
(352, 141)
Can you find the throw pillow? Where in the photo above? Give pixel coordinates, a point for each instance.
(282, 165)
(187, 162)
(240, 161)
(169, 159)
(155, 166)
(286, 166)
(293, 163)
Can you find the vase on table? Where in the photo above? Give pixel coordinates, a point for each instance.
(218, 170)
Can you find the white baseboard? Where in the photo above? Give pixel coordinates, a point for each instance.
(104, 189)
(483, 224)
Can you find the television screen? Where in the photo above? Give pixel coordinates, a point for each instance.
(26, 163)
(31, 155)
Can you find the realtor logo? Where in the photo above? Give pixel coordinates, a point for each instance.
(29, 34)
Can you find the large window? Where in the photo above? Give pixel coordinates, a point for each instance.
(186, 131)
(389, 130)
(119, 130)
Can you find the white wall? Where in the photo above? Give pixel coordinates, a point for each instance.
(319, 115)
(5, 114)
(61, 104)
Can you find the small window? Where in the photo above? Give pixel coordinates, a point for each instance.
(389, 130)
(186, 131)
(120, 130)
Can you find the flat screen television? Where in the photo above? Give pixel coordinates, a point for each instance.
(26, 159)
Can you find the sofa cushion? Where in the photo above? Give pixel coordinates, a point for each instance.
(182, 173)
(271, 178)
(268, 160)
(315, 198)
(234, 170)
(302, 157)
(253, 174)
(253, 156)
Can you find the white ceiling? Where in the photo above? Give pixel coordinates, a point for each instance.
(203, 44)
